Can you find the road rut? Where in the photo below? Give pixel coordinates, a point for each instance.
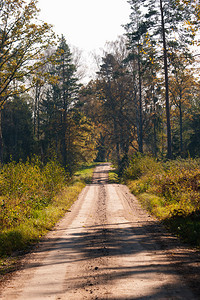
(107, 247)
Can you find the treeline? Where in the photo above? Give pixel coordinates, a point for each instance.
(145, 97)
(39, 92)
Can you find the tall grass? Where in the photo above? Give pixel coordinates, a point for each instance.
(27, 187)
(169, 190)
(33, 197)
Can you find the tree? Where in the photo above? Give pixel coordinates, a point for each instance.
(41, 79)
(113, 93)
(182, 84)
(91, 106)
(166, 19)
(65, 91)
(152, 110)
(22, 42)
(66, 130)
(136, 33)
(169, 138)
(17, 129)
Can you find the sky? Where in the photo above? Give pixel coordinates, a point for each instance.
(86, 24)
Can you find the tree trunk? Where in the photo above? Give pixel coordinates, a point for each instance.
(38, 118)
(64, 125)
(169, 143)
(63, 141)
(154, 135)
(181, 128)
(140, 137)
(117, 144)
(1, 138)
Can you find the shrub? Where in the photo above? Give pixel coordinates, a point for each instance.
(26, 214)
(142, 165)
(169, 190)
(25, 187)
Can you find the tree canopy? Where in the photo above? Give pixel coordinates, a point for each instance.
(144, 98)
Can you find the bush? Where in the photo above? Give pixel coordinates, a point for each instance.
(25, 187)
(169, 190)
(33, 198)
(141, 165)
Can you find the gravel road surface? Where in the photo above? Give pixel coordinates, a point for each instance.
(106, 247)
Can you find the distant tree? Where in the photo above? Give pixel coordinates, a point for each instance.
(65, 92)
(17, 129)
(91, 107)
(182, 83)
(114, 86)
(194, 142)
(65, 130)
(152, 103)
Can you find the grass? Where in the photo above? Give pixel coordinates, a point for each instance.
(113, 177)
(26, 216)
(170, 191)
(84, 174)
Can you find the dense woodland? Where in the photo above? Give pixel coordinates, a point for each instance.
(145, 97)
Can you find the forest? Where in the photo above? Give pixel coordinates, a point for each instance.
(145, 97)
(143, 102)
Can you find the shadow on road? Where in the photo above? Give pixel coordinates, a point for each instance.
(100, 243)
(97, 242)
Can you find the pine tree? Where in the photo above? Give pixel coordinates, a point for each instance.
(164, 22)
(60, 102)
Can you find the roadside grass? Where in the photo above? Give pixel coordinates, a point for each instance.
(46, 194)
(170, 191)
(85, 173)
(113, 176)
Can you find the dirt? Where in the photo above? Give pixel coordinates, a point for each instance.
(107, 247)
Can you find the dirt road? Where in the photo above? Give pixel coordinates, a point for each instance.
(107, 247)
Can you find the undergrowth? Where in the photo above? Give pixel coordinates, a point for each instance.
(33, 197)
(170, 191)
(113, 176)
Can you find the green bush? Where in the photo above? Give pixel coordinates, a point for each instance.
(25, 187)
(33, 197)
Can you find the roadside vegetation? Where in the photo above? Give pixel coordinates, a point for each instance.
(113, 176)
(170, 191)
(33, 197)
(85, 173)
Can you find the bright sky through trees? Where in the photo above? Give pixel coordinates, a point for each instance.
(87, 24)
